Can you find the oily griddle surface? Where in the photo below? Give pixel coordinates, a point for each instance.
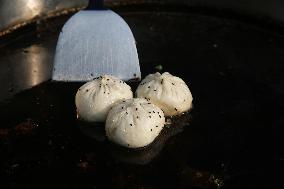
(231, 139)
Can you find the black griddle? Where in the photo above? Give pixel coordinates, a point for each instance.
(231, 139)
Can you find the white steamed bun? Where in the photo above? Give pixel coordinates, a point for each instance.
(168, 92)
(95, 98)
(134, 123)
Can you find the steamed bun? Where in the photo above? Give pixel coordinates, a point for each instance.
(168, 92)
(95, 98)
(134, 123)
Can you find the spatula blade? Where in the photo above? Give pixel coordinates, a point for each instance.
(93, 43)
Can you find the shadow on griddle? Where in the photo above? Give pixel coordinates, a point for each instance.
(140, 156)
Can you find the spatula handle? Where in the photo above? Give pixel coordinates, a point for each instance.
(95, 5)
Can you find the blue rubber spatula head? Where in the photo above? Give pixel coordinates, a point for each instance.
(94, 42)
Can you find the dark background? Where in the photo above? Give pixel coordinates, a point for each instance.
(230, 54)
